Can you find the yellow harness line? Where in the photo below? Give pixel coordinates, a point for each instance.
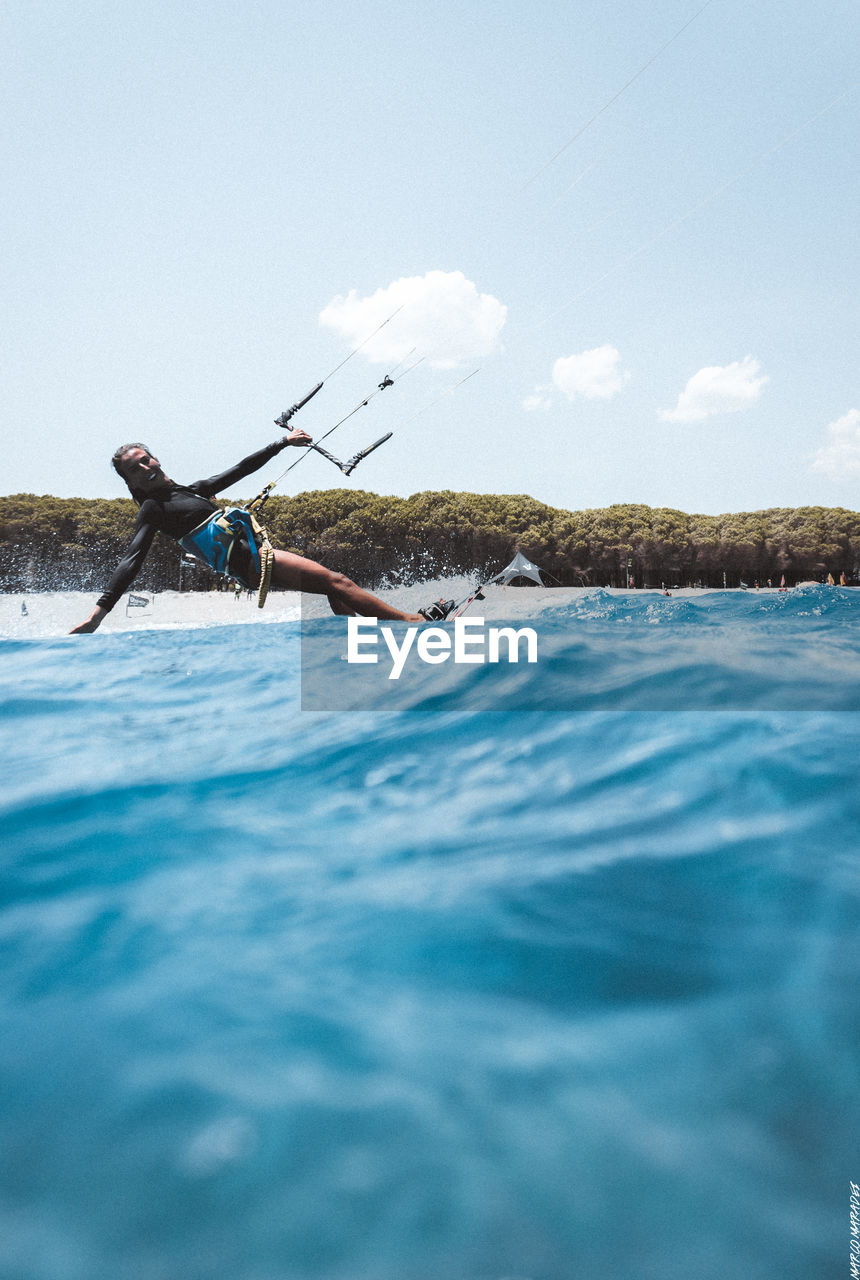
(267, 559)
(266, 552)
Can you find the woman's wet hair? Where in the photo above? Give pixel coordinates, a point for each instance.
(116, 463)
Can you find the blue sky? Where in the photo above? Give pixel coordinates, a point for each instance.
(208, 205)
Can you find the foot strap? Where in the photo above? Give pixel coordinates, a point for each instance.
(439, 611)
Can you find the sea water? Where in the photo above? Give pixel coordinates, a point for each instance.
(472, 988)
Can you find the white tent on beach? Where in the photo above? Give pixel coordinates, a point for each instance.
(520, 567)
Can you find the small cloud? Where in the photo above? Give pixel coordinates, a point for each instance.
(718, 389)
(443, 318)
(538, 400)
(840, 457)
(593, 374)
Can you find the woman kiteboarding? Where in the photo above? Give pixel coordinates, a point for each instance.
(229, 542)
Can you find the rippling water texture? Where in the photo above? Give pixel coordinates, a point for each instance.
(442, 993)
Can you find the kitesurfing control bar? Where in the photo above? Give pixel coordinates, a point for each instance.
(325, 453)
(353, 462)
(348, 467)
(288, 413)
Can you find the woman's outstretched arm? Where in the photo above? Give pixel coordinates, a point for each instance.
(215, 484)
(122, 576)
(90, 623)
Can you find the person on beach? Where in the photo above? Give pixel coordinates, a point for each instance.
(187, 513)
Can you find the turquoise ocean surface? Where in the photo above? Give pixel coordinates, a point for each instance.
(548, 973)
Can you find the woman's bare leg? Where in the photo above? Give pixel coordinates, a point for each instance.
(344, 597)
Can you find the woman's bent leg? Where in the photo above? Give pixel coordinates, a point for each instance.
(344, 597)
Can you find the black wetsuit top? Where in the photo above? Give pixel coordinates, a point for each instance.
(176, 512)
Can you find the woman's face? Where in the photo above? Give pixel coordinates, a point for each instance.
(143, 470)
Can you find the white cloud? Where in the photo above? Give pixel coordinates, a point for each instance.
(444, 318)
(539, 399)
(840, 457)
(718, 389)
(593, 374)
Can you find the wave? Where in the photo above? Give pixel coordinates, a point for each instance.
(53, 613)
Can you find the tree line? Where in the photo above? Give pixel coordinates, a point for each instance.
(54, 544)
